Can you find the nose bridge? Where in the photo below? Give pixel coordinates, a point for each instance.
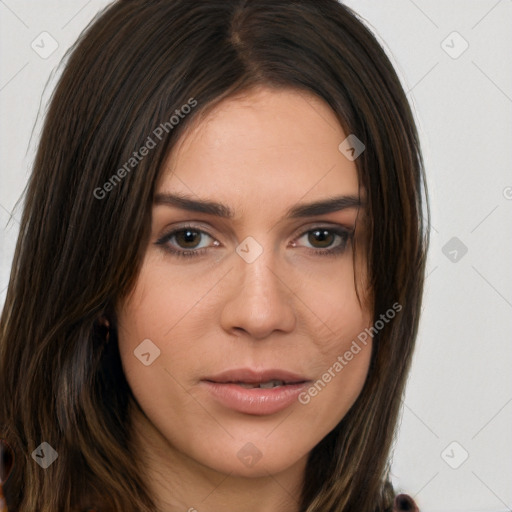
(258, 277)
(261, 302)
(257, 260)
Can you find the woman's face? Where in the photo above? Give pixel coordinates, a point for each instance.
(264, 295)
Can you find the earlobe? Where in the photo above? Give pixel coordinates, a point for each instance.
(102, 327)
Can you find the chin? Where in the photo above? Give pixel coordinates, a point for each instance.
(254, 457)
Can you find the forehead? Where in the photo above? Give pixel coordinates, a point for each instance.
(266, 148)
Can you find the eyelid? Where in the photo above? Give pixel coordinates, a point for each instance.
(330, 227)
(172, 231)
(346, 235)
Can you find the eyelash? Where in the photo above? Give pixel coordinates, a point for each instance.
(346, 236)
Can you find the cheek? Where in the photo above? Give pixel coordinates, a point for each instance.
(161, 332)
(165, 307)
(344, 358)
(343, 347)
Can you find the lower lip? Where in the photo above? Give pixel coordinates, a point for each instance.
(255, 401)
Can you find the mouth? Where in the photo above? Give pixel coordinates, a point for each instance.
(256, 392)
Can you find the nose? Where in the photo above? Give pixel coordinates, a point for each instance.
(259, 300)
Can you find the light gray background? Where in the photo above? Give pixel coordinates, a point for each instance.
(460, 386)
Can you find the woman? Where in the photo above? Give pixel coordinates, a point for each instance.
(174, 335)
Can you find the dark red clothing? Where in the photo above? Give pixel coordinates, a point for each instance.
(403, 503)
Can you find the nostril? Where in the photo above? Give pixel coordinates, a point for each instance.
(6, 461)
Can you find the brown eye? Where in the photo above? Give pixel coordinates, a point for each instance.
(188, 238)
(323, 237)
(327, 241)
(187, 241)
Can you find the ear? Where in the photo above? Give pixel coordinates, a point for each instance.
(104, 321)
(102, 327)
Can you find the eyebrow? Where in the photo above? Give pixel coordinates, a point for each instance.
(322, 207)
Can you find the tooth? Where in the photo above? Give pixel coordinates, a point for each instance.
(271, 384)
(263, 385)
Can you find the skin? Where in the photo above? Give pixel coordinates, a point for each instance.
(260, 154)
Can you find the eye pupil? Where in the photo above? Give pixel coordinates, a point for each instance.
(324, 236)
(186, 237)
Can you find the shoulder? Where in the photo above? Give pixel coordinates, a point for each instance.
(404, 503)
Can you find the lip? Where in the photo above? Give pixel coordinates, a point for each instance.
(223, 387)
(254, 376)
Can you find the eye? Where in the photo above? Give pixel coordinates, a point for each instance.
(186, 241)
(327, 240)
(191, 241)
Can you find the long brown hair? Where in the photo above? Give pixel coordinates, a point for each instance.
(81, 241)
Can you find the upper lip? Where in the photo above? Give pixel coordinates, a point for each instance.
(250, 376)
